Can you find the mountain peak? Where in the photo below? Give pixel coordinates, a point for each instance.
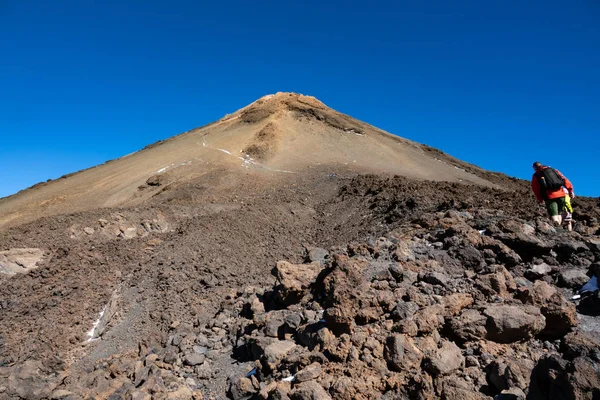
(281, 133)
(301, 106)
(284, 98)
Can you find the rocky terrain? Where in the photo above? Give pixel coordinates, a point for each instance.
(244, 282)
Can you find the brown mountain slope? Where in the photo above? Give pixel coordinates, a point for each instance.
(281, 134)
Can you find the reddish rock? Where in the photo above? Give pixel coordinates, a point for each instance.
(507, 324)
(293, 280)
(445, 360)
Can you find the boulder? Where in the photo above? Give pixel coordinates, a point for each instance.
(561, 317)
(340, 320)
(293, 280)
(505, 374)
(241, 388)
(276, 351)
(445, 360)
(311, 372)
(31, 380)
(455, 388)
(19, 261)
(394, 352)
(401, 353)
(181, 393)
(429, 318)
(539, 270)
(594, 245)
(556, 378)
(194, 359)
(309, 391)
(455, 303)
(507, 324)
(572, 278)
(155, 180)
(317, 254)
(435, 278)
(404, 310)
(499, 283)
(276, 391)
(538, 294)
(469, 325)
(581, 344)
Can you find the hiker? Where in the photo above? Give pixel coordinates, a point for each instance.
(547, 184)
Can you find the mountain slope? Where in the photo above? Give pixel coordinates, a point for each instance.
(284, 133)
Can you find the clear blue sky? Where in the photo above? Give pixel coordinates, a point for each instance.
(496, 83)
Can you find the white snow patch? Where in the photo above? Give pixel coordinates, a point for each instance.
(91, 332)
(247, 160)
(483, 231)
(165, 168)
(289, 379)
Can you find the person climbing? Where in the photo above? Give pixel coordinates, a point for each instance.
(547, 184)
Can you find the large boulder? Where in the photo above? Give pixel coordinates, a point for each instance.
(520, 239)
(505, 374)
(310, 390)
(278, 350)
(455, 303)
(19, 261)
(499, 283)
(401, 353)
(538, 271)
(31, 380)
(293, 280)
(581, 344)
(469, 325)
(404, 310)
(561, 317)
(394, 352)
(455, 388)
(572, 278)
(430, 318)
(594, 245)
(344, 292)
(508, 324)
(537, 294)
(445, 360)
(556, 378)
(241, 388)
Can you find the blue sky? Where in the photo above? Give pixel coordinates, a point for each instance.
(496, 83)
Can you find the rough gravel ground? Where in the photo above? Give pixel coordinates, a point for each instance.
(197, 251)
